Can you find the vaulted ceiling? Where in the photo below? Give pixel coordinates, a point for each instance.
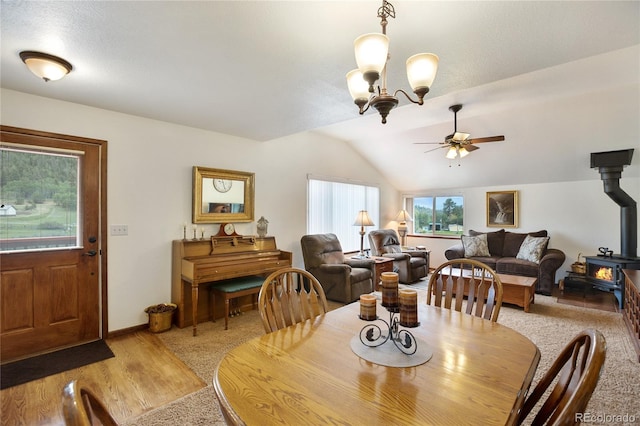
(555, 77)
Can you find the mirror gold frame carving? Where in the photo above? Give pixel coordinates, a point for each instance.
(203, 176)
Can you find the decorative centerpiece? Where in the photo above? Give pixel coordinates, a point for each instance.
(403, 302)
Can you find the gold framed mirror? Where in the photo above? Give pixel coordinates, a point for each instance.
(221, 196)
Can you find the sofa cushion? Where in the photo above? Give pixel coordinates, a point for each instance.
(513, 241)
(475, 246)
(495, 240)
(533, 248)
(513, 266)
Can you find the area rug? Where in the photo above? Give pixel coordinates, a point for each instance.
(26, 370)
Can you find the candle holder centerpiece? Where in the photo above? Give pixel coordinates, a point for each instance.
(402, 306)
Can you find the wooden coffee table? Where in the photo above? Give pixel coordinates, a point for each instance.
(516, 290)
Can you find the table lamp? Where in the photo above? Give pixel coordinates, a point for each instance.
(362, 220)
(402, 218)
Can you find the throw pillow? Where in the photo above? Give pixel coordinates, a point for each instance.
(532, 248)
(475, 246)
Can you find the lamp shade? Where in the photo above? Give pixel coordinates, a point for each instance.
(371, 52)
(463, 152)
(452, 153)
(403, 216)
(358, 87)
(363, 219)
(421, 70)
(45, 66)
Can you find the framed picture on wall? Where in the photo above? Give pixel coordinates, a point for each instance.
(502, 209)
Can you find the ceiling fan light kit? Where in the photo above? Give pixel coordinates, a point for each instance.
(372, 56)
(458, 143)
(45, 66)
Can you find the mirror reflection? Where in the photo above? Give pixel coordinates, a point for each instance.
(222, 196)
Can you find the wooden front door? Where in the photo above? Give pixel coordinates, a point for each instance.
(52, 242)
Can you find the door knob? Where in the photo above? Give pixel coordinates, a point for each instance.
(90, 253)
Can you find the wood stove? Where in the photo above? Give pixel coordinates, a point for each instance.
(604, 271)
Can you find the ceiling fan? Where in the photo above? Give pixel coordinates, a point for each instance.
(459, 144)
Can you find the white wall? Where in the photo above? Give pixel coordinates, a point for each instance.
(579, 216)
(149, 187)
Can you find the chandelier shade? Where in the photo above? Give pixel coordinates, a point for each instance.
(421, 71)
(358, 87)
(45, 66)
(372, 56)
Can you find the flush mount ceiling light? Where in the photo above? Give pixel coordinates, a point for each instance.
(372, 55)
(45, 66)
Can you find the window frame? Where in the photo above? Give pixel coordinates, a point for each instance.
(409, 203)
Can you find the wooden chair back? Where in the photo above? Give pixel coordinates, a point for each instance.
(456, 279)
(290, 296)
(577, 370)
(80, 407)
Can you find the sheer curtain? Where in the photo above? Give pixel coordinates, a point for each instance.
(332, 207)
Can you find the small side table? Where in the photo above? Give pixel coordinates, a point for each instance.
(382, 264)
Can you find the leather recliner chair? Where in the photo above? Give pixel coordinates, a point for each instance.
(343, 279)
(410, 265)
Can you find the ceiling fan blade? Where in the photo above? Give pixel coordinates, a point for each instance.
(487, 139)
(470, 147)
(434, 149)
(428, 143)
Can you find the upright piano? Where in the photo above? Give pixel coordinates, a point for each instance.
(202, 262)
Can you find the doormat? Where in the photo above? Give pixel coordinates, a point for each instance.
(26, 370)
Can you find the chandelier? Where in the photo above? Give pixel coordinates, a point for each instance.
(372, 54)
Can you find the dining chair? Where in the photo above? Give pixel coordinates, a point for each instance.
(81, 407)
(456, 279)
(577, 370)
(289, 296)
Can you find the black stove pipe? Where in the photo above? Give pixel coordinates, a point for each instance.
(610, 165)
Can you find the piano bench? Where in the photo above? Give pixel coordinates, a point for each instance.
(232, 288)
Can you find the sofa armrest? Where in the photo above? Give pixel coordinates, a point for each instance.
(454, 252)
(334, 268)
(360, 263)
(397, 256)
(549, 264)
(417, 253)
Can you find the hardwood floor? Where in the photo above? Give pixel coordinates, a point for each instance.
(143, 375)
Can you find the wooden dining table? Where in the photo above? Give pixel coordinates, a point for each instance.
(307, 374)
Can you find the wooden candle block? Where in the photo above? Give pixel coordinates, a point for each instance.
(408, 307)
(368, 307)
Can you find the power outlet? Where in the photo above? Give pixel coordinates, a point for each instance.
(119, 230)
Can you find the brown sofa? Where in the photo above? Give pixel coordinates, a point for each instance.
(504, 249)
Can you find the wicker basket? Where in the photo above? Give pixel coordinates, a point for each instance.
(160, 317)
(578, 267)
